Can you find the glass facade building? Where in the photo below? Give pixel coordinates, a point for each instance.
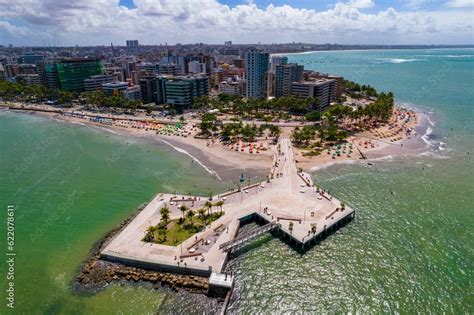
(73, 72)
(256, 68)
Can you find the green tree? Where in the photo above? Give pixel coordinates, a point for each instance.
(219, 204)
(201, 213)
(165, 215)
(183, 208)
(208, 205)
(190, 215)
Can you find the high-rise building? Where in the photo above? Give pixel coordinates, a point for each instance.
(168, 69)
(312, 75)
(30, 58)
(276, 61)
(196, 67)
(322, 89)
(73, 72)
(95, 82)
(48, 73)
(256, 68)
(179, 61)
(180, 92)
(132, 45)
(285, 75)
(148, 89)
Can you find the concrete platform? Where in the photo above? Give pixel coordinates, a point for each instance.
(288, 199)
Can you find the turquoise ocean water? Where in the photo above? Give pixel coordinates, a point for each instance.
(407, 252)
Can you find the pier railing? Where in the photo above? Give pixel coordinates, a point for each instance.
(241, 239)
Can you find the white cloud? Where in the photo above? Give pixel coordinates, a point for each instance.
(460, 3)
(157, 21)
(14, 30)
(361, 4)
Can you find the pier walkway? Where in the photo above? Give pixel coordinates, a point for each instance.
(287, 203)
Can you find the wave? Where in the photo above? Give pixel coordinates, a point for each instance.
(441, 146)
(458, 56)
(430, 121)
(382, 158)
(433, 154)
(397, 60)
(180, 150)
(78, 123)
(109, 130)
(426, 136)
(330, 164)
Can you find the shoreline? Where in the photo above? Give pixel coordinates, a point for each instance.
(382, 149)
(218, 164)
(227, 166)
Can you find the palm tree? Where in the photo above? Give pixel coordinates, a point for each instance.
(201, 213)
(183, 209)
(165, 215)
(219, 204)
(190, 215)
(150, 235)
(162, 231)
(208, 205)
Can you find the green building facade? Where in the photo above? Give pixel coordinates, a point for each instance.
(72, 73)
(180, 92)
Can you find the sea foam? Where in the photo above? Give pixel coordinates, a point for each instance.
(180, 150)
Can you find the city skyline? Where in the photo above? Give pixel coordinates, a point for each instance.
(89, 22)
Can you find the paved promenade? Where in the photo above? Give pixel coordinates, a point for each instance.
(288, 197)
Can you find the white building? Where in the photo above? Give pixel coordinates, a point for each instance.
(196, 67)
(230, 87)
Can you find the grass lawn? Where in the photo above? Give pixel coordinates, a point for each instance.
(177, 233)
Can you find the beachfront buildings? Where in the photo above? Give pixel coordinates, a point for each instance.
(256, 68)
(181, 91)
(323, 90)
(48, 72)
(95, 82)
(274, 61)
(285, 75)
(339, 81)
(231, 87)
(73, 72)
(115, 88)
(148, 89)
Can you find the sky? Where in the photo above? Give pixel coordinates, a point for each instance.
(101, 22)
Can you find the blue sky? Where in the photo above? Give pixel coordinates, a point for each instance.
(99, 22)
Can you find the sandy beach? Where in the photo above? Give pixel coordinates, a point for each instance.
(366, 146)
(227, 163)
